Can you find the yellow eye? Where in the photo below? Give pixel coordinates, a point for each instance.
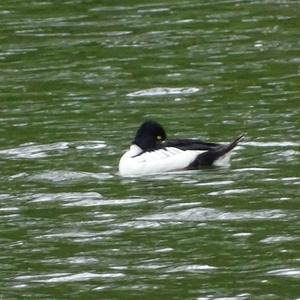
(158, 137)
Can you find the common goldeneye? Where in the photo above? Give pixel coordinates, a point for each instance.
(152, 153)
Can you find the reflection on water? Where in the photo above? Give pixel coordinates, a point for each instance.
(75, 83)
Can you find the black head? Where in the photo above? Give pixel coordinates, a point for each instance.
(150, 135)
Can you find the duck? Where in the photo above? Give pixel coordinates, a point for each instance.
(151, 152)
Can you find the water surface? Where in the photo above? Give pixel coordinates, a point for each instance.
(76, 80)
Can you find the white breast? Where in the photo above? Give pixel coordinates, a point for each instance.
(132, 163)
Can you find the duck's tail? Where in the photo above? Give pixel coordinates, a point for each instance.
(218, 156)
(222, 155)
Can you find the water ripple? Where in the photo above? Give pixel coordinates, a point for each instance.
(201, 214)
(271, 144)
(163, 91)
(191, 268)
(78, 79)
(68, 197)
(34, 151)
(289, 272)
(66, 277)
(234, 191)
(82, 199)
(65, 177)
(279, 239)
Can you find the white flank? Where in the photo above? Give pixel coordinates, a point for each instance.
(133, 163)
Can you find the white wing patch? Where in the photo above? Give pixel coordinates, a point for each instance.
(161, 154)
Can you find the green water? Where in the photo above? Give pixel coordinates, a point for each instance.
(77, 78)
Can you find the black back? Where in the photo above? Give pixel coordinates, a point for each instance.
(190, 144)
